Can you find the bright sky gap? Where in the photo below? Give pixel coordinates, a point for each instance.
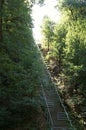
(39, 12)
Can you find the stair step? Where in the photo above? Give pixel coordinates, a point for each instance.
(50, 90)
(51, 94)
(50, 100)
(50, 104)
(60, 128)
(61, 116)
(53, 100)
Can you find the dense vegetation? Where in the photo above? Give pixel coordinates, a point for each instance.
(22, 70)
(65, 53)
(19, 68)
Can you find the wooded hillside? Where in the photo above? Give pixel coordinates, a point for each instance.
(22, 70)
(64, 50)
(19, 67)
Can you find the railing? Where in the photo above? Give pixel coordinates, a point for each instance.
(47, 112)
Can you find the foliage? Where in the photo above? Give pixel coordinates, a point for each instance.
(68, 56)
(47, 30)
(19, 67)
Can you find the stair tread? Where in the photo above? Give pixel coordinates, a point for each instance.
(61, 116)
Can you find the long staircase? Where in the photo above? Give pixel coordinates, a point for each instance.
(56, 115)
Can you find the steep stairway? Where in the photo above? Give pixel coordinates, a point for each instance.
(57, 114)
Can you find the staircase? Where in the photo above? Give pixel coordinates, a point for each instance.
(57, 115)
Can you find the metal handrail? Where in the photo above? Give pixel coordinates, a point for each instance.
(51, 121)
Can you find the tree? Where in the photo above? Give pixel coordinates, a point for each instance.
(1, 33)
(47, 30)
(75, 48)
(59, 44)
(19, 78)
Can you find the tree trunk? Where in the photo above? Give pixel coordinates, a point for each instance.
(1, 32)
(48, 45)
